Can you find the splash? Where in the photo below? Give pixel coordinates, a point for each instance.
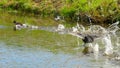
(108, 45)
(74, 29)
(96, 48)
(99, 33)
(96, 51)
(60, 29)
(118, 41)
(112, 29)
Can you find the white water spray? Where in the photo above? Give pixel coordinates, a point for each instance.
(74, 29)
(96, 47)
(60, 29)
(108, 45)
(98, 33)
(118, 41)
(96, 51)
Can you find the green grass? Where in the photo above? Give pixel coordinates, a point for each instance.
(8, 18)
(100, 10)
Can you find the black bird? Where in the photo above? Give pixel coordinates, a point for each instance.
(88, 38)
(18, 25)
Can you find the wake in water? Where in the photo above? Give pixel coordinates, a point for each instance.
(89, 36)
(97, 32)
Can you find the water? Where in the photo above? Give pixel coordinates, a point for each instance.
(22, 57)
(108, 45)
(12, 56)
(103, 34)
(3, 27)
(96, 51)
(15, 51)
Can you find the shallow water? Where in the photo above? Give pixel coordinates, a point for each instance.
(18, 54)
(14, 56)
(23, 57)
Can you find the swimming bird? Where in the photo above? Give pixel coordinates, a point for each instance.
(17, 26)
(17, 23)
(88, 46)
(86, 38)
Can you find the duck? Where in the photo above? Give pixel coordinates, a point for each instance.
(87, 38)
(17, 26)
(88, 46)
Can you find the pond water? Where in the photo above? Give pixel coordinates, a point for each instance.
(13, 56)
(22, 57)
(45, 48)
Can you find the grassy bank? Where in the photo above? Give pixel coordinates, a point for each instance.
(98, 11)
(8, 18)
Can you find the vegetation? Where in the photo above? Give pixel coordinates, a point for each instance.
(95, 11)
(8, 18)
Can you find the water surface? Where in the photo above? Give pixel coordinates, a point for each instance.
(45, 48)
(23, 57)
